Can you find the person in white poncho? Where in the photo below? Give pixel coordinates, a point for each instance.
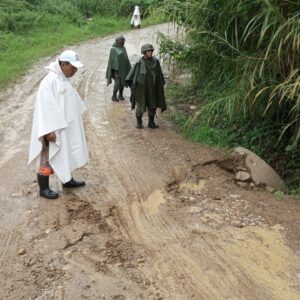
(136, 18)
(58, 143)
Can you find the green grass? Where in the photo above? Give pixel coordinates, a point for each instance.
(200, 133)
(198, 130)
(19, 52)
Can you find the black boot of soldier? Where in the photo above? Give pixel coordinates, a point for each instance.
(121, 97)
(45, 191)
(114, 97)
(139, 122)
(151, 123)
(73, 184)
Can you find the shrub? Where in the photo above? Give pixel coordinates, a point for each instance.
(244, 57)
(64, 8)
(10, 6)
(19, 22)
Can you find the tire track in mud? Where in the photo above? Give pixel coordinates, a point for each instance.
(126, 177)
(148, 229)
(130, 184)
(131, 232)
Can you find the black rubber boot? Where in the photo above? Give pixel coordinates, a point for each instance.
(45, 191)
(151, 123)
(73, 184)
(139, 122)
(121, 94)
(114, 97)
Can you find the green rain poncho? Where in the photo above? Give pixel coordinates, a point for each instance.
(147, 82)
(118, 61)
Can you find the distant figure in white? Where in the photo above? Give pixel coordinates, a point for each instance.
(136, 18)
(58, 143)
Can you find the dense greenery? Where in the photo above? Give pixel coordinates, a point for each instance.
(125, 8)
(244, 58)
(31, 29)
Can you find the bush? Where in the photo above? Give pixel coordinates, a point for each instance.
(19, 22)
(91, 7)
(10, 6)
(244, 57)
(64, 8)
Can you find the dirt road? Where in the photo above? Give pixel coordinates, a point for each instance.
(158, 219)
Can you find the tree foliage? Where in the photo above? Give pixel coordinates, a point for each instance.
(21, 16)
(244, 57)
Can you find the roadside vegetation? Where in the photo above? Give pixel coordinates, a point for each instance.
(243, 56)
(32, 29)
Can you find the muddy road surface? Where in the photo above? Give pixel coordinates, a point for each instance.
(158, 219)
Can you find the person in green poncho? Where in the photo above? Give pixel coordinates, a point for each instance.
(147, 82)
(117, 68)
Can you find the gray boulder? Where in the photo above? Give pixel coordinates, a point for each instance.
(260, 171)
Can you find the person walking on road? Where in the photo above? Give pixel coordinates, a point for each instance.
(117, 68)
(147, 82)
(135, 21)
(58, 142)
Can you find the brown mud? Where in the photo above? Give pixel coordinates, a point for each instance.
(158, 219)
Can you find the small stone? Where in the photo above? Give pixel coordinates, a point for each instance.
(242, 176)
(270, 189)
(237, 224)
(68, 254)
(17, 194)
(22, 251)
(141, 260)
(195, 210)
(234, 196)
(193, 107)
(239, 168)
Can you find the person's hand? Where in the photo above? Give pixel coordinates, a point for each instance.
(51, 137)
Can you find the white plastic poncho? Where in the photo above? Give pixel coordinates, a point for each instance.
(136, 17)
(59, 109)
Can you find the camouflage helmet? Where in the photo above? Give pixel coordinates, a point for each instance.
(146, 47)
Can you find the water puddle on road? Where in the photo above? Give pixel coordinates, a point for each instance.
(192, 186)
(154, 201)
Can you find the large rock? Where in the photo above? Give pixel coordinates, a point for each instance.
(261, 172)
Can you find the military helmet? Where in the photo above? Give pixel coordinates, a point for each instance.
(146, 47)
(119, 39)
